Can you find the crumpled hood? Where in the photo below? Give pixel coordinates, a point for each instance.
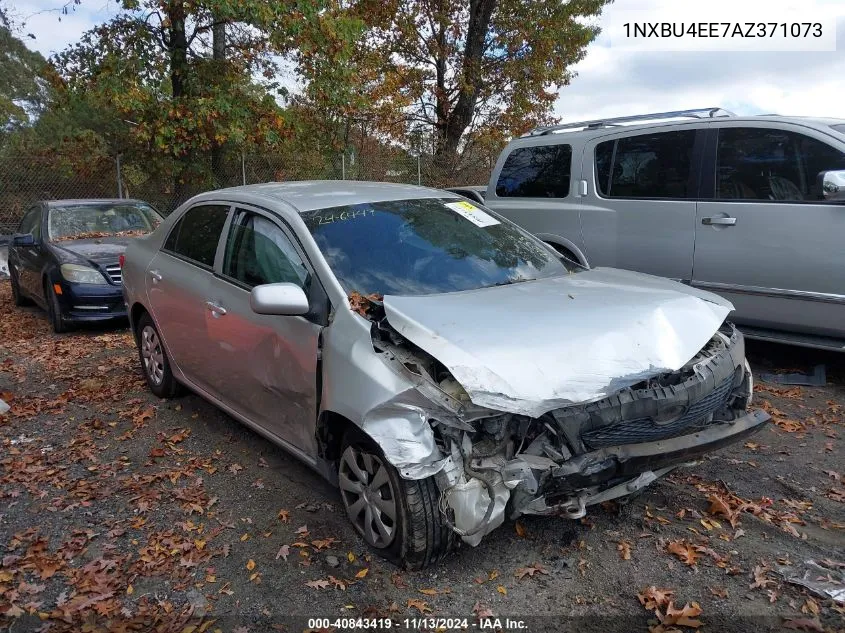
(535, 346)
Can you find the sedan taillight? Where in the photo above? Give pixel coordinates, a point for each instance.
(121, 259)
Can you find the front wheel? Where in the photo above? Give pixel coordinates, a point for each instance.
(154, 362)
(399, 518)
(54, 310)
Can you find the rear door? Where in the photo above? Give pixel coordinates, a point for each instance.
(639, 211)
(178, 280)
(264, 366)
(765, 239)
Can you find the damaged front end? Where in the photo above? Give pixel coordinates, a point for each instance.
(490, 464)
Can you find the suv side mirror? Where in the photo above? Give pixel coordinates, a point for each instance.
(833, 185)
(282, 299)
(23, 239)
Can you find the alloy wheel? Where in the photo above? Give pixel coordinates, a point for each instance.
(369, 496)
(152, 354)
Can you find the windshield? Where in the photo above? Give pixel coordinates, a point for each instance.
(426, 246)
(89, 221)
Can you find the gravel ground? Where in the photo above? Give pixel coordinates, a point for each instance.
(122, 512)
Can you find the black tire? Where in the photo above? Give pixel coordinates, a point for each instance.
(155, 365)
(421, 535)
(54, 310)
(18, 298)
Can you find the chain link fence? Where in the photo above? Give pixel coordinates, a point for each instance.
(27, 178)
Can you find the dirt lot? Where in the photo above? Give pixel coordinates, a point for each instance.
(122, 512)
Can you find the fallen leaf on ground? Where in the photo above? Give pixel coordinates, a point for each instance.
(529, 571)
(624, 548)
(284, 552)
(804, 624)
(655, 598)
(317, 584)
(362, 573)
(684, 551)
(685, 616)
(419, 605)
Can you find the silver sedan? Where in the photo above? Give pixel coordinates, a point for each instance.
(439, 364)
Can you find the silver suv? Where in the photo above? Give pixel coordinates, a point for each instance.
(752, 208)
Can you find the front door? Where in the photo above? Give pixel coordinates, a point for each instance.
(765, 239)
(28, 260)
(265, 366)
(177, 281)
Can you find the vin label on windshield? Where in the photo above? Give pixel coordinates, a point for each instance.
(473, 213)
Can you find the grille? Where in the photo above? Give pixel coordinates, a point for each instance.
(114, 273)
(645, 430)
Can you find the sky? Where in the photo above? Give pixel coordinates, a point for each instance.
(614, 80)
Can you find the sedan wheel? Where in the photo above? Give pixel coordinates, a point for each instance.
(399, 518)
(152, 355)
(369, 496)
(154, 361)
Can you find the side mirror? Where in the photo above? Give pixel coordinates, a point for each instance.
(833, 185)
(23, 239)
(281, 299)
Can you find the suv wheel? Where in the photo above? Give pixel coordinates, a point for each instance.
(54, 310)
(154, 361)
(399, 518)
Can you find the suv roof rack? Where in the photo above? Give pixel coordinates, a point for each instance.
(699, 113)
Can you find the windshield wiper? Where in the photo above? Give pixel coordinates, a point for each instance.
(508, 282)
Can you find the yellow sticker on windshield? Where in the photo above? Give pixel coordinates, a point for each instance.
(472, 213)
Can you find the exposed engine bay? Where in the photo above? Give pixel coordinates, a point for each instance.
(496, 465)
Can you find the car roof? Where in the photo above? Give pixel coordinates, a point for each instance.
(309, 195)
(553, 137)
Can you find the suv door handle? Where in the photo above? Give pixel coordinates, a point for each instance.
(216, 309)
(718, 221)
(156, 276)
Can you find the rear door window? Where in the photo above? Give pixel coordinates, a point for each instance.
(259, 252)
(647, 166)
(772, 165)
(197, 233)
(542, 171)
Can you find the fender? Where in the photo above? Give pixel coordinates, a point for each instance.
(563, 242)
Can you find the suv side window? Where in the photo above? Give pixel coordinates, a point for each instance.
(771, 164)
(197, 232)
(258, 252)
(646, 166)
(536, 172)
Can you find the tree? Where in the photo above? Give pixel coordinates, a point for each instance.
(470, 70)
(189, 78)
(22, 91)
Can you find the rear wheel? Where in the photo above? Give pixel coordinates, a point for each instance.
(154, 362)
(399, 518)
(54, 310)
(19, 299)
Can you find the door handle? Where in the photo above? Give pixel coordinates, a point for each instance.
(216, 310)
(156, 276)
(718, 221)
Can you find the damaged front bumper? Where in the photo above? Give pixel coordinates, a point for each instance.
(570, 459)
